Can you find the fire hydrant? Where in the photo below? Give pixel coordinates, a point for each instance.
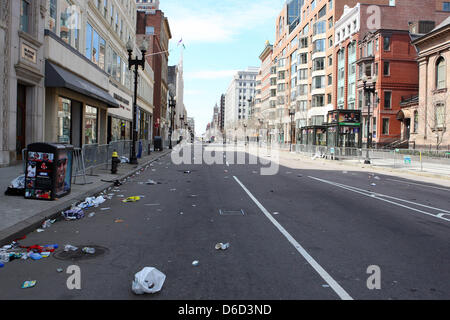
(114, 162)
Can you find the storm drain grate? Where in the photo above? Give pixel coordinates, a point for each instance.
(79, 254)
(231, 212)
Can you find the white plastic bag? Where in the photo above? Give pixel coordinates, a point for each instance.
(148, 280)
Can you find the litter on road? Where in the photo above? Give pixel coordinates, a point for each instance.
(195, 263)
(118, 221)
(88, 250)
(148, 280)
(131, 199)
(28, 284)
(69, 247)
(222, 246)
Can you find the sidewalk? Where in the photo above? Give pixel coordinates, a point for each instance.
(19, 216)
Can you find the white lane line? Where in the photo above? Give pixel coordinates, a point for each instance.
(418, 184)
(374, 196)
(391, 197)
(321, 271)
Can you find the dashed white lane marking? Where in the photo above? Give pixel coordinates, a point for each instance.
(418, 184)
(381, 197)
(321, 271)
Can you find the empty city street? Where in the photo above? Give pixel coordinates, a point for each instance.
(308, 232)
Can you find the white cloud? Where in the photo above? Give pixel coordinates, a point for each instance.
(210, 74)
(195, 22)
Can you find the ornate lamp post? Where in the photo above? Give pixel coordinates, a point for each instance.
(370, 89)
(136, 63)
(291, 114)
(172, 105)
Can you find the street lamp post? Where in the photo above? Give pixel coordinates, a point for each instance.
(370, 89)
(291, 114)
(136, 63)
(172, 105)
(182, 123)
(245, 134)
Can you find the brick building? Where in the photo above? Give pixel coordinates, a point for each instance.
(380, 53)
(154, 27)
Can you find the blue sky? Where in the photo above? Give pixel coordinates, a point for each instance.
(221, 37)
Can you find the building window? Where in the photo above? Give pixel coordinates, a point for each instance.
(441, 81)
(69, 24)
(416, 122)
(53, 15)
(386, 68)
(387, 99)
(446, 6)
(386, 126)
(387, 43)
(25, 15)
(330, 4)
(439, 118)
(90, 125)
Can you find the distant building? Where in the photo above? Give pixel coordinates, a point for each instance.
(222, 113)
(240, 91)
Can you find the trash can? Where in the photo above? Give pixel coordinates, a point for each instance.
(158, 143)
(48, 173)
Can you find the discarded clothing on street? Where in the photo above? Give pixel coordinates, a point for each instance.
(132, 199)
(73, 214)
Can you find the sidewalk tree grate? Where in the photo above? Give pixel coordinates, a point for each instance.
(231, 212)
(79, 254)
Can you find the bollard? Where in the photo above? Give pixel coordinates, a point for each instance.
(114, 162)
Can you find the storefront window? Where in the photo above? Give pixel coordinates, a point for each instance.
(90, 125)
(64, 120)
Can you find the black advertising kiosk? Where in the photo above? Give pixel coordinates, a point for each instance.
(48, 173)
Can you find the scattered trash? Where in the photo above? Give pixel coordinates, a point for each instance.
(1, 265)
(17, 187)
(276, 213)
(69, 247)
(344, 172)
(45, 254)
(377, 178)
(151, 204)
(88, 250)
(118, 221)
(325, 286)
(4, 257)
(92, 202)
(34, 256)
(299, 175)
(40, 230)
(148, 280)
(28, 284)
(132, 199)
(187, 171)
(222, 246)
(151, 182)
(103, 209)
(124, 159)
(91, 214)
(73, 214)
(194, 205)
(46, 224)
(373, 184)
(195, 263)
(59, 270)
(117, 183)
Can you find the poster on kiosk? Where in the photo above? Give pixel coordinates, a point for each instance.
(48, 172)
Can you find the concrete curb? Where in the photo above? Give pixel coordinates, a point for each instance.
(32, 223)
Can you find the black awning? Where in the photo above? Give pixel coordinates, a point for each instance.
(56, 77)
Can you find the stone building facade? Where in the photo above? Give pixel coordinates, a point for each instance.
(22, 70)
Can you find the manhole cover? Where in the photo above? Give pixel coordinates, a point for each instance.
(231, 212)
(79, 254)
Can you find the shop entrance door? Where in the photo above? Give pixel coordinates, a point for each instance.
(21, 118)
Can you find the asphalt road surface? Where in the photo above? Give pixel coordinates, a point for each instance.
(300, 234)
